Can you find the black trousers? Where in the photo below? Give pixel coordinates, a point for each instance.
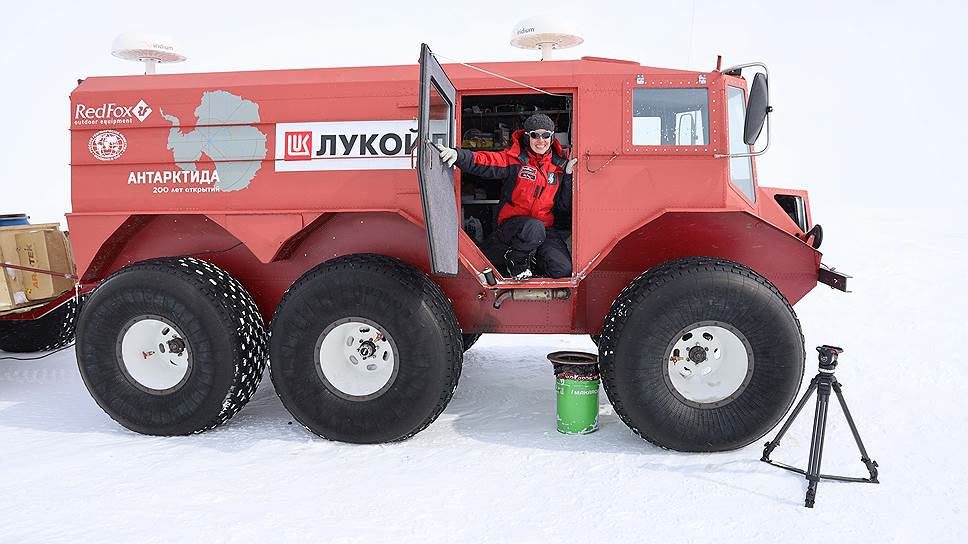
(517, 238)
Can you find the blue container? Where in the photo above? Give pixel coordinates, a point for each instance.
(13, 219)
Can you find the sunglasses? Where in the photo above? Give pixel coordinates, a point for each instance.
(541, 134)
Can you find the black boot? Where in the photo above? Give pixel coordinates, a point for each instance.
(519, 264)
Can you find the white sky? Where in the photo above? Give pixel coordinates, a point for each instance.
(867, 95)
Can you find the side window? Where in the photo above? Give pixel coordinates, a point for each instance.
(670, 116)
(740, 168)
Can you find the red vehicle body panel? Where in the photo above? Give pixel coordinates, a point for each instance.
(634, 206)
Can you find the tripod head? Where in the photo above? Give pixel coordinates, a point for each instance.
(828, 357)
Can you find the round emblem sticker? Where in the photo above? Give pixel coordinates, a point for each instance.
(107, 145)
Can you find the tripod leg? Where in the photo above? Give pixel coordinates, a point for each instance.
(816, 442)
(868, 462)
(770, 446)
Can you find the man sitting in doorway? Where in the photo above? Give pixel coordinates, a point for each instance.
(535, 209)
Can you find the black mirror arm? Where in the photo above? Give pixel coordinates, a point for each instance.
(737, 71)
(752, 153)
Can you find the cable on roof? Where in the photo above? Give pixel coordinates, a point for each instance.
(516, 82)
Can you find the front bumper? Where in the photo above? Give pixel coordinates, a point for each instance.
(836, 280)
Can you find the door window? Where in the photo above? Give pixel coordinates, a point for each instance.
(440, 116)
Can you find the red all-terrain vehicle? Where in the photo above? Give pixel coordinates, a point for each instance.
(209, 209)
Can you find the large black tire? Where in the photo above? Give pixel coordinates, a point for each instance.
(649, 318)
(469, 340)
(222, 327)
(52, 331)
(410, 313)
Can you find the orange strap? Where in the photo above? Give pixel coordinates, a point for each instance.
(38, 270)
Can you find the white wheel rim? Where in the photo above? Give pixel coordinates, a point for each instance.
(356, 359)
(155, 355)
(709, 365)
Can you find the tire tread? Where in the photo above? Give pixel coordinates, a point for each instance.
(236, 310)
(46, 333)
(645, 285)
(410, 278)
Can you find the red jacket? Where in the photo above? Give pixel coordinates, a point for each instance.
(534, 185)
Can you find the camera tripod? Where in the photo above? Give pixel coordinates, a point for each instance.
(822, 383)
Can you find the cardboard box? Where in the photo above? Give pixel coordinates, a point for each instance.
(43, 247)
(11, 290)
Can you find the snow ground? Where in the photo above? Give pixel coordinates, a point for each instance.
(493, 468)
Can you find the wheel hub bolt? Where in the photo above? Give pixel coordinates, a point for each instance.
(176, 346)
(697, 354)
(367, 349)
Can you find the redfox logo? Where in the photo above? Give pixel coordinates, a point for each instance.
(103, 111)
(141, 110)
(298, 146)
(111, 113)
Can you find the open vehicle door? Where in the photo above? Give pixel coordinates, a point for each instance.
(436, 122)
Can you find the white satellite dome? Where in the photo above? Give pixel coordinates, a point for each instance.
(545, 32)
(151, 49)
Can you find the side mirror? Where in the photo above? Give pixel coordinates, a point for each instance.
(757, 109)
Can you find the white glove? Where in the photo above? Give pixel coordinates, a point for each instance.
(447, 155)
(570, 166)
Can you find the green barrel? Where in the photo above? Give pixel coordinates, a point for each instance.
(576, 383)
(577, 405)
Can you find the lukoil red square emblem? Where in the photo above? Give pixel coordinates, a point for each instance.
(298, 146)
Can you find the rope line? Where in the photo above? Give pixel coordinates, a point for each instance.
(516, 82)
(68, 346)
